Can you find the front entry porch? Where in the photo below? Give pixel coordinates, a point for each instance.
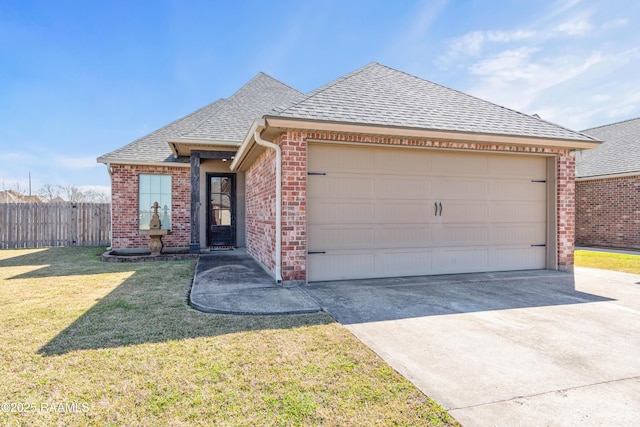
(217, 201)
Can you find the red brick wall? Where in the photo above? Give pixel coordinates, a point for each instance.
(261, 196)
(124, 192)
(294, 206)
(566, 209)
(608, 212)
(260, 184)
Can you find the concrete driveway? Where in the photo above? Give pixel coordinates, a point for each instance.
(537, 348)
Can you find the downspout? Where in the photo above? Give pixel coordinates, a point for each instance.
(110, 172)
(260, 141)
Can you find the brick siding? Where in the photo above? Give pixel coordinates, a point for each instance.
(260, 186)
(566, 206)
(608, 212)
(261, 196)
(124, 193)
(294, 206)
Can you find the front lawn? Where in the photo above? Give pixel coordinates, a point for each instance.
(89, 343)
(608, 261)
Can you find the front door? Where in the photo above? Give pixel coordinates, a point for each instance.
(221, 212)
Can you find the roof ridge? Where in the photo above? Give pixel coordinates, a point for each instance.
(611, 124)
(232, 100)
(255, 78)
(326, 86)
(279, 81)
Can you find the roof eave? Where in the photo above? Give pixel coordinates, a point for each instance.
(608, 176)
(182, 146)
(278, 122)
(140, 163)
(273, 125)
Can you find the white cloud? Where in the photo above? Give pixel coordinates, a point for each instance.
(577, 26)
(473, 43)
(516, 79)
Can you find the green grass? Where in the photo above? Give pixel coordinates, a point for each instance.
(120, 343)
(608, 261)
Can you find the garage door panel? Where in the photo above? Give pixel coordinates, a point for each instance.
(340, 212)
(339, 158)
(460, 212)
(392, 212)
(527, 167)
(400, 161)
(525, 212)
(517, 190)
(341, 265)
(403, 188)
(403, 263)
(517, 258)
(523, 234)
(464, 260)
(409, 236)
(341, 186)
(448, 164)
(329, 237)
(459, 189)
(466, 235)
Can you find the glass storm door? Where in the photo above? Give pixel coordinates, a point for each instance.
(221, 213)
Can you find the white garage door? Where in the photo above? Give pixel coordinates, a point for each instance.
(386, 212)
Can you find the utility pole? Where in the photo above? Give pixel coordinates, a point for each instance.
(29, 183)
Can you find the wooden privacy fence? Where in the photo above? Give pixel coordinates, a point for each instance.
(35, 225)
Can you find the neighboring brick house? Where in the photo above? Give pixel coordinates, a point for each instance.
(608, 188)
(377, 174)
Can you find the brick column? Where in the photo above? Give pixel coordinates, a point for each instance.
(294, 206)
(566, 210)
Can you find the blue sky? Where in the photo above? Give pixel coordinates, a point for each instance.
(79, 79)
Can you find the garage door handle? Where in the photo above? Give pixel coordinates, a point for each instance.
(440, 209)
(316, 252)
(436, 205)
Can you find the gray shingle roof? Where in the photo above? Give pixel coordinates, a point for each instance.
(225, 119)
(258, 97)
(619, 153)
(379, 95)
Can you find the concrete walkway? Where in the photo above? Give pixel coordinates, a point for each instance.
(232, 282)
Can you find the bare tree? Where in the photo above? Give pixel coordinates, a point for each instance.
(96, 197)
(50, 191)
(72, 193)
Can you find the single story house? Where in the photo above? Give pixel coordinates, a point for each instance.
(608, 188)
(376, 174)
(11, 196)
